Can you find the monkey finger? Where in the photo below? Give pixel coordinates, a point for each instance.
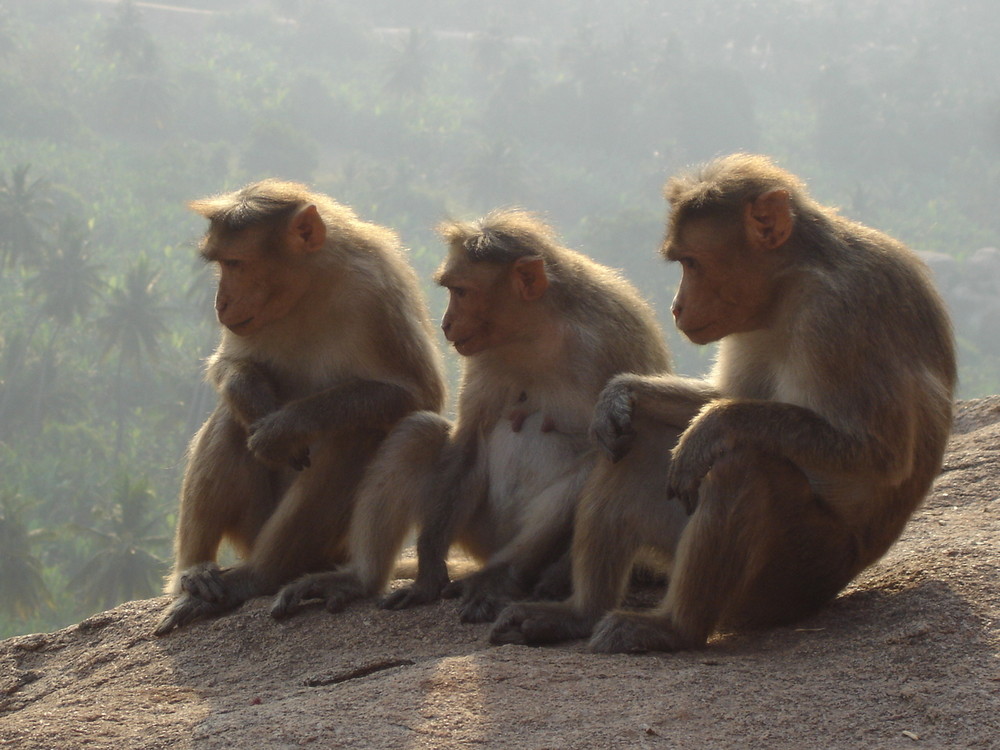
(616, 443)
(183, 611)
(287, 602)
(454, 590)
(204, 582)
(410, 596)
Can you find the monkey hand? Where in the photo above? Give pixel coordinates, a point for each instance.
(277, 441)
(185, 609)
(612, 425)
(204, 581)
(692, 458)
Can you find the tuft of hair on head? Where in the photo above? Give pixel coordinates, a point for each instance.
(723, 186)
(260, 203)
(501, 236)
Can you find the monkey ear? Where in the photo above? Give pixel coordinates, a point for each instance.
(530, 278)
(769, 220)
(307, 230)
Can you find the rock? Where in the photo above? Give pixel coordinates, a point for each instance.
(907, 654)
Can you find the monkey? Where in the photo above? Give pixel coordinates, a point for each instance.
(771, 484)
(326, 344)
(540, 329)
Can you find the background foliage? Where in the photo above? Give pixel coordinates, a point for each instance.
(113, 115)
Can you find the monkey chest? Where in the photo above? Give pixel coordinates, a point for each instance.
(525, 457)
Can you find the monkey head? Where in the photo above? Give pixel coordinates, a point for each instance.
(490, 304)
(731, 266)
(265, 269)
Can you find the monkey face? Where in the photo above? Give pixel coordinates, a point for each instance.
(490, 304)
(727, 282)
(258, 284)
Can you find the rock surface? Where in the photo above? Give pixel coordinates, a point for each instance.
(906, 657)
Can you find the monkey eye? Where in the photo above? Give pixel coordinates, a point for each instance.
(687, 262)
(457, 291)
(231, 263)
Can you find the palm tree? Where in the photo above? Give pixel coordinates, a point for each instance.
(132, 324)
(407, 74)
(67, 283)
(23, 593)
(23, 203)
(126, 39)
(67, 280)
(123, 568)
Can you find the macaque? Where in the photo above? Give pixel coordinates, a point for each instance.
(326, 345)
(541, 330)
(800, 458)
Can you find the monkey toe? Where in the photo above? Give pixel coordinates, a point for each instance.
(285, 604)
(481, 609)
(539, 624)
(632, 633)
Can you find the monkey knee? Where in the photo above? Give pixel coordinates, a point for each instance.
(754, 476)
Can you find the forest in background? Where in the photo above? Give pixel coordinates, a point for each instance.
(114, 114)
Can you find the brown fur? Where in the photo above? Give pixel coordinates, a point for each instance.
(817, 434)
(542, 329)
(327, 346)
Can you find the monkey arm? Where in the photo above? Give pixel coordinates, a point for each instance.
(282, 437)
(669, 399)
(804, 437)
(246, 387)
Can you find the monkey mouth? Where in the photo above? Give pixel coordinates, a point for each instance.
(236, 327)
(696, 335)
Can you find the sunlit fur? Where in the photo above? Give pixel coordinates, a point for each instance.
(504, 481)
(802, 455)
(322, 386)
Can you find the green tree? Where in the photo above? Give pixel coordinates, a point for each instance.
(407, 73)
(132, 325)
(23, 204)
(123, 568)
(67, 280)
(125, 39)
(23, 593)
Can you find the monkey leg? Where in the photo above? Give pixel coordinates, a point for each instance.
(623, 506)
(226, 493)
(556, 581)
(761, 549)
(385, 511)
(543, 537)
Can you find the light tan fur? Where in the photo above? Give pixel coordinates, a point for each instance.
(542, 328)
(817, 434)
(327, 344)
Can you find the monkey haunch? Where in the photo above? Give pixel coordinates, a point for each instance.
(326, 345)
(541, 329)
(817, 434)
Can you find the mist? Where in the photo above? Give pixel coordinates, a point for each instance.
(114, 114)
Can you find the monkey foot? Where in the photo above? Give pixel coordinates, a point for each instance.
(637, 632)
(335, 589)
(532, 624)
(484, 593)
